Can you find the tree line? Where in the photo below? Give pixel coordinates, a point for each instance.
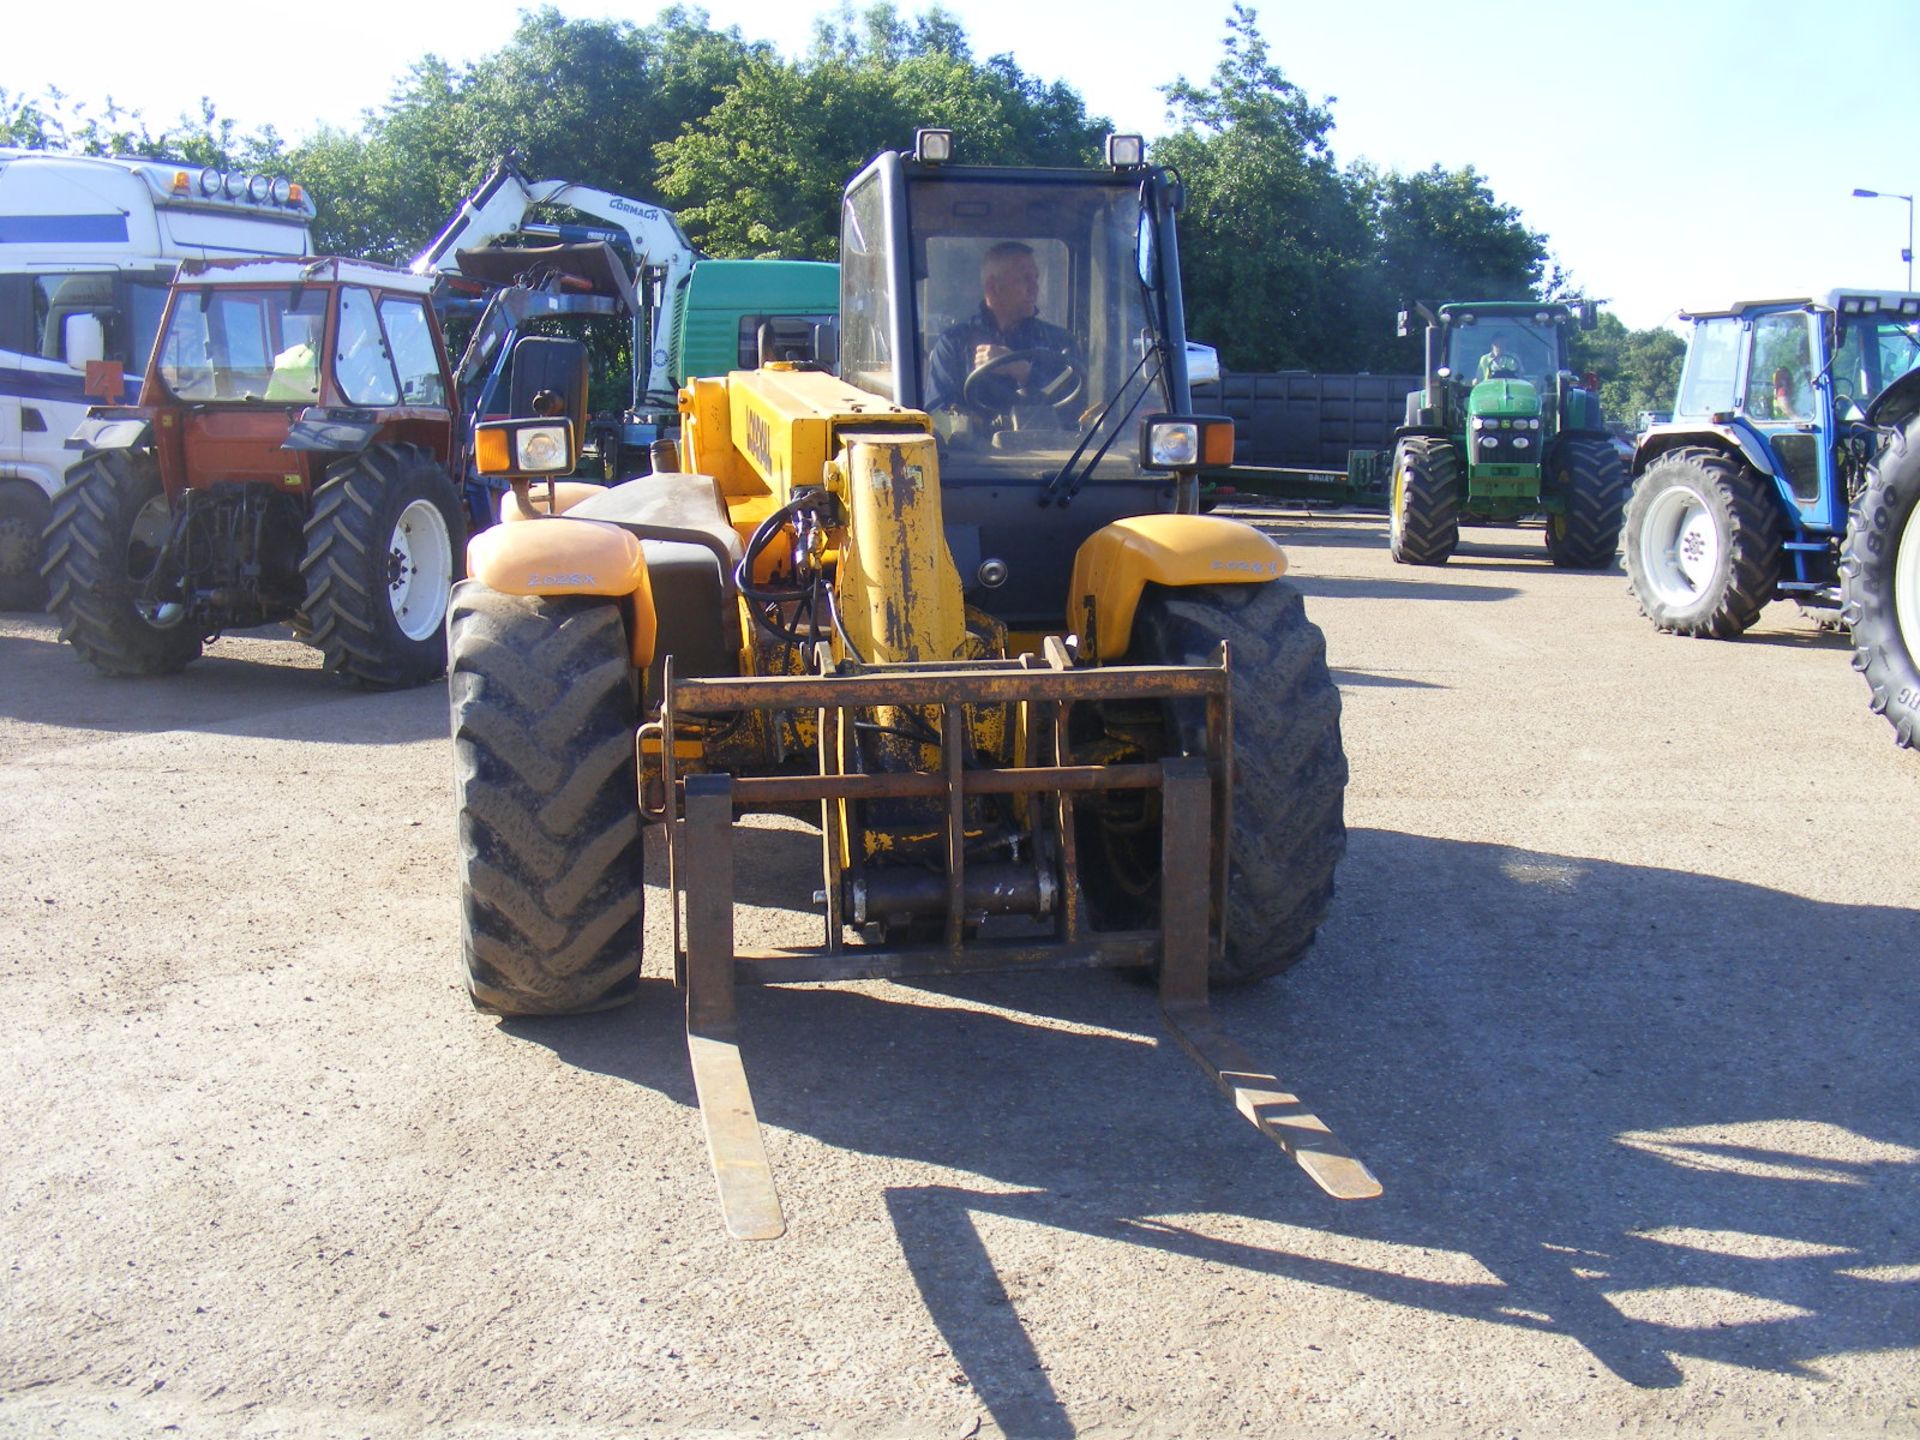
(1290, 260)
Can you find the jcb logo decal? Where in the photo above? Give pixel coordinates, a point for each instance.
(760, 440)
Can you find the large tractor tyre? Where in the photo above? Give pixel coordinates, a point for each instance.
(24, 513)
(385, 543)
(1289, 780)
(1593, 478)
(1880, 584)
(1703, 545)
(1424, 514)
(552, 892)
(110, 524)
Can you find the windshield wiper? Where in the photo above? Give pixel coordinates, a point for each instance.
(1066, 484)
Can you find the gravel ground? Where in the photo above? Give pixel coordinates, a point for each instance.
(1616, 998)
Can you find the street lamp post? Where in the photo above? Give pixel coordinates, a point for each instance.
(1906, 254)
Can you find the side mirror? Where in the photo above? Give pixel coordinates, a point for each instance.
(84, 338)
(1403, 324)
(1146, 251)
(1589, 315)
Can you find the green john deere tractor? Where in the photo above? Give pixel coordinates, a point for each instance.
(1503, 429)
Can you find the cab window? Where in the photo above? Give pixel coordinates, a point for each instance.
(1779, 376)
(1707, 383)
(410, 334)
(361, 363)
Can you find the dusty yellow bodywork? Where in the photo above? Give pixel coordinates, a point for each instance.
(1118, 560)
(900, 595)
(559, 556)
(762, 433)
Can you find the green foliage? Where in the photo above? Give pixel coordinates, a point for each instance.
(1293, 262)
(1272, 240)
(56, 121)
(581, 100)
(762, 172)
(1638, 369)
(1289, 258)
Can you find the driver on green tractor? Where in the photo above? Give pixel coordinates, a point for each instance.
(1497, 363)
(1000, 342)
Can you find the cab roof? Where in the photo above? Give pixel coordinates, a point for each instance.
(319, 270)
(1846, 301)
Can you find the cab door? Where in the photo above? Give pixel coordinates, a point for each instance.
(1792, 412)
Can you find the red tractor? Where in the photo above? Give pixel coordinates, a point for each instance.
(291, 460)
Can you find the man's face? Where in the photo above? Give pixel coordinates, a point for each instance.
(1012, 289)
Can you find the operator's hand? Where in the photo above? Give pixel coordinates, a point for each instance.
(987, 354)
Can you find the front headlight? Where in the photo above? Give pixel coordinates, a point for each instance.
(543, 448)
(1185, 442)
(1174, 445)
(527, 447)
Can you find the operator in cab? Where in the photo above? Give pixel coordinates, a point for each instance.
(1003, 357)
(1499, 363)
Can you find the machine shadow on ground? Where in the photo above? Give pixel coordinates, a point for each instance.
(1665, 1116)
(1421, 586)
(276, 688)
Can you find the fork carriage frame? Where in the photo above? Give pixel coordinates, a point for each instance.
(699, 811)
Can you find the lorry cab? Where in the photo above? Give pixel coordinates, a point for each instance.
(88, 246)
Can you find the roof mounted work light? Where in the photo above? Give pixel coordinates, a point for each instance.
(1126, 152)
(933, 147)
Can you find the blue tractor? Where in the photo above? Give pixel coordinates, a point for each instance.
(1789, 471)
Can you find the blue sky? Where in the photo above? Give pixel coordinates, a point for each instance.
(1675, 154)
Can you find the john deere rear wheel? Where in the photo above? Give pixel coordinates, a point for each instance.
(552, 892)
(1880, 585)
(385, 542)
(109, 527)
(1424, 513)
(1289, 782)
(1593, 479)
(1703, 548)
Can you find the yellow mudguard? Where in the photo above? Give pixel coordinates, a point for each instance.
(1118, 560)
(558, 556)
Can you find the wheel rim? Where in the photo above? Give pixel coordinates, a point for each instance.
(1396, 507)
(146, 539)
(1906, 585)
(1679, 546)
(419, 569)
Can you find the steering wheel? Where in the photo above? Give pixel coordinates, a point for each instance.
(1061, 394)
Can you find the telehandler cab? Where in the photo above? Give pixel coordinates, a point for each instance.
(985, 644)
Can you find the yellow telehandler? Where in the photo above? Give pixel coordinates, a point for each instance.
(952, 603)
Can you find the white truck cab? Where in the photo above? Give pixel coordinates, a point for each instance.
(88, 246)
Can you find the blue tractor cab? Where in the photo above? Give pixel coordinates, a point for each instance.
(1786, 472)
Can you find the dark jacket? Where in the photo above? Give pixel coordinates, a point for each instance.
(952, 360)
